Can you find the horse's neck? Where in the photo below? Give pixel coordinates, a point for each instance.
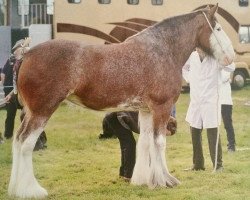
(180, 40)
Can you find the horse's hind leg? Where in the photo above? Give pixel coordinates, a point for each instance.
(23, 182)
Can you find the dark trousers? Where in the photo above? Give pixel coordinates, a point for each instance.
(226, 112)
(10, 119)
(112, 126)
(11, 108)
(198, 159)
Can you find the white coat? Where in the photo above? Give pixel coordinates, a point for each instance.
(225, 88)
(204, 78)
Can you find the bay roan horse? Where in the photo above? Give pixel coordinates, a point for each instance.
(143, 72)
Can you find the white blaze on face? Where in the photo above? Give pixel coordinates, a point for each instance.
(221, 46)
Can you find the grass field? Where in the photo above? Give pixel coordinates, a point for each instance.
(77, 165)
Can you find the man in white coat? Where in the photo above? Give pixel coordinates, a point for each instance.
(202, 72)
(226, 108)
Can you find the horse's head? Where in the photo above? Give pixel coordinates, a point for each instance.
(213, 40)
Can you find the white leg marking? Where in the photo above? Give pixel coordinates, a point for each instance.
(157, 166)
(141, 169)
(16, 150)
(26, 185)
(160, 175)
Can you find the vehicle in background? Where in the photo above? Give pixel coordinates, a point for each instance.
(241, 75)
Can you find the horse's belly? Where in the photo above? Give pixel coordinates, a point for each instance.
(133, 103)
(75, 99)
(130, 104)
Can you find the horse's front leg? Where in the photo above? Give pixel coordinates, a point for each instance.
(159, 171)
(142, 166)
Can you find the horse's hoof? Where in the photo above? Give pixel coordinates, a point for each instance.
(172, 181)
(35, 191)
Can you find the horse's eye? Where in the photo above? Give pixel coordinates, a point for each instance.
(219, 29)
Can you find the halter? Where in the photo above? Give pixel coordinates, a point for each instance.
(213, 32)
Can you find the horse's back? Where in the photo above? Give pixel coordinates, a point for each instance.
(62, 67)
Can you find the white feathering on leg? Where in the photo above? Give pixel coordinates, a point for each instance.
(16, 150)
(26, 185)
(141, 169)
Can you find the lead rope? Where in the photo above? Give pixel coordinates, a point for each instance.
(217, 106)
(218, 127)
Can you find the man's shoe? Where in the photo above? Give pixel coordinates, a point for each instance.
(125, 178)
(106, 136)
(231, 149)
(194, 169)
(38, 146)
(7, 136)
(1, 140)
(219, 169)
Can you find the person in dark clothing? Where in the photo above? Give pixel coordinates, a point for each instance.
(42, 140)
(122, 125)
(226, 112)
(227, 109)
(7, 79)
(1, 105)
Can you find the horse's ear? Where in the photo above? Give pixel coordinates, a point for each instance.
(213, 10)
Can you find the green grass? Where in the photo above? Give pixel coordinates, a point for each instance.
(76, 165)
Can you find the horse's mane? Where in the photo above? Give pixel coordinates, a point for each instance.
(171, 22)
(185, 17)
(180, 19)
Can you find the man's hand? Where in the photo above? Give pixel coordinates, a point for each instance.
(171, 126)
(7, 98)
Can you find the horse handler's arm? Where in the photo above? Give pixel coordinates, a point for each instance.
(228, 68)
(226, 77)
(185, 72)
(9, 96)
(172, 125)
(2, 77)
